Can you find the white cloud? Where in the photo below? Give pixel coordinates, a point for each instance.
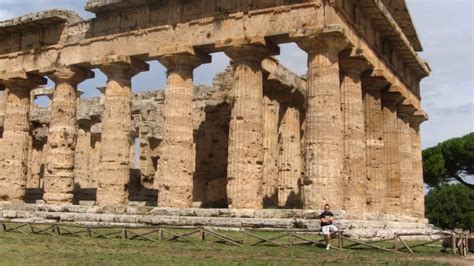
(5, 14)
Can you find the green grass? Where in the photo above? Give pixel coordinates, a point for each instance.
(31, 249)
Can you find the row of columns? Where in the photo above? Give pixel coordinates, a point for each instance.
(358, 141)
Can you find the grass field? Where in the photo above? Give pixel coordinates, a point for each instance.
(30, 249)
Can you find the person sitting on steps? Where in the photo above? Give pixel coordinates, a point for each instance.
(327, 217)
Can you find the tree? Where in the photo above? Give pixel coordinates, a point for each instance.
(450, 207)
(448, 161)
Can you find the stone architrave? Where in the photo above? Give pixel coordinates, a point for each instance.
(406, 159)
(324, 136)
(16, 135)
(245, 159)
(374, 130)
(391, 151)
(270, 152)
(355, 171)
(174, 177)
(114, 172)
(290, 161)
(418, 183)
(59, 177)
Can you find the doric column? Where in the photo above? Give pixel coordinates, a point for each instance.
(114, 172)
(290, 161)
(418, 183)
(245, 159)
(391, 151)
(324, 139)
(83, 152)
(270, 152)
(355, 171)
(59, 177)
(14, 167)
(406, 159)
(374, 132)
(174, 178)
(3, 102)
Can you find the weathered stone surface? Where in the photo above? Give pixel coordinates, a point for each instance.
(114, 173)
(371, 228)
(245, 169)
(324, 148)
(406, 161)
(15, 141)
(271, 111)
(375, 141)
(417, 174)
(2, 107)
(244, 142)
(59, 180)
(174, 178)
(418, 184)
(355, 170)
(391, 152)
(290, 161)
(38, 20)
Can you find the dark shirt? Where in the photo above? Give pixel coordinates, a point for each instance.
(326, 214)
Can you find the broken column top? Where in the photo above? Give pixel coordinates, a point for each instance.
(38, 20)
(97, 6)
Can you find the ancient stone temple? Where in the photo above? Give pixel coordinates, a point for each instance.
(261, 137)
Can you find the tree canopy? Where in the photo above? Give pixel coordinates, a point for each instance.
(451, 207)
(450, 160)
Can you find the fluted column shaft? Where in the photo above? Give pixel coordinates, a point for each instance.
(83, 152)
(391, 153)
(290, 161)
(406, 164)
(59, 177)
(418, 184)
(114, 172)
(374, 129)
(16, 134)
(355, 171)
(270, 155)
(245, 159)
(324, 139)
(174, 177)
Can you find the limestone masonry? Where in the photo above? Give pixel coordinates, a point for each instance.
(261, 137)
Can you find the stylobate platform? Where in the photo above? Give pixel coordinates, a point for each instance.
(362, 225)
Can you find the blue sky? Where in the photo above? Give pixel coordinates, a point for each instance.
(445, 29)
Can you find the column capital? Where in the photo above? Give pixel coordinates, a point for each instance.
(120, 67)
(392, 96)
(354, 65)
(406, 108)
(418, 118)
(327, 39)
(180, 57)
(251, 52)
(21, 80)
(184, 60)
(70, 74)
(374, 84)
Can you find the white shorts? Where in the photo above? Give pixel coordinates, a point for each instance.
(329, 229)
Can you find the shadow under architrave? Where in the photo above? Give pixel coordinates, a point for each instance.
(83, 195)
(139, 194)
(33, 195)
(212, 141)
